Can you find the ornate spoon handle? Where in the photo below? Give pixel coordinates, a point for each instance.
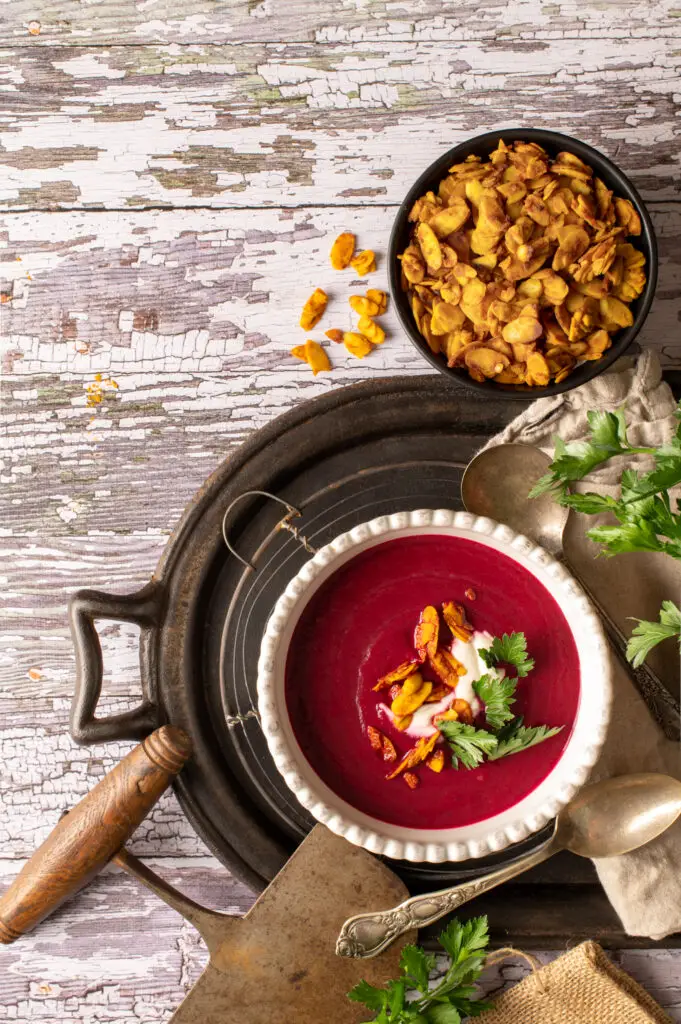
(662, 705)
(367, 935)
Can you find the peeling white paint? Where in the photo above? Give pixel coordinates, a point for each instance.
(87, 66)
(344, 20)
(239, 125)
(193, 313)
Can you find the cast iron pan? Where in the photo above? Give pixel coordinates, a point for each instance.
(356, 453)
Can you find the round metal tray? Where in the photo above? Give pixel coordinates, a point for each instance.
(400, 443)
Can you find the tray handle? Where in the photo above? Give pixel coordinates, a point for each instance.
(91, 833)
(291, 513)
(142, 608)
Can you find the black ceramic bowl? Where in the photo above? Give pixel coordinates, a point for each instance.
(553, 143)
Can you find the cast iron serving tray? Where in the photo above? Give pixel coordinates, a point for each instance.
(356, 453)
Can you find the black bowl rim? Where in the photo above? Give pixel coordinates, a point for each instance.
(606, 169)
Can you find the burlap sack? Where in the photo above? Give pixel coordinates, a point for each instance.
(581, 987)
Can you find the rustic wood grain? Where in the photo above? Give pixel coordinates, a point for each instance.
(200, 292)
(194, 323)
(55, 975)
(87, 837)
(45, 774)
(41, 22)
(212, 113)
(291, 124)
(116, 953)
(38, 579)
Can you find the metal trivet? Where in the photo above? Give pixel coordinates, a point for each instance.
(321, 515)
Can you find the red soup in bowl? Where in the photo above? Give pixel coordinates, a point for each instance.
(451, 743)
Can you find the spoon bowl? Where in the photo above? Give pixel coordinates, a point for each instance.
(496, 484)
(618, 815)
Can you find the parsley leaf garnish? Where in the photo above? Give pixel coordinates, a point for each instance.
(515, 737)
(465, 943)
(645, 518)
(591, 504)
(647, 635)
(608, 430)
(637, 535)
(443, 1014)
(510, 649)
(451, 999)
(469, 745)
(497, 695)
(369, 995)
(416, 967)
(576, 459)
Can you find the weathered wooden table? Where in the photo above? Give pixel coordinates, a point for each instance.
(171, 177)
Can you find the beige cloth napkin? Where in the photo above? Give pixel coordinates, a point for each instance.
(644, 887)
(580, 987)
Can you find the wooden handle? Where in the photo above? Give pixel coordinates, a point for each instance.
(88, 836)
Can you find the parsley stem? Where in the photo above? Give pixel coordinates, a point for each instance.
(434, 993)
(642, 495)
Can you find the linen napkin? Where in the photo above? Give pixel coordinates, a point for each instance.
(644, 886)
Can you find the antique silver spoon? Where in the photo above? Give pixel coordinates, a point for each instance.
(606, 819)
(496, 484)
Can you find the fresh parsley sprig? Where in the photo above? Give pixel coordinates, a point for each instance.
(573, 460)
(509, 649)
(506, 733)
(647, 635)
(646, 520)
(497, 695)
(451, 999)
(469, 745)
(515, 736)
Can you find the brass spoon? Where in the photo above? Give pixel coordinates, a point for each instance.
(496, 484)
(606, 819)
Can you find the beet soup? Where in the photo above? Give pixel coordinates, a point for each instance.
(360, 624)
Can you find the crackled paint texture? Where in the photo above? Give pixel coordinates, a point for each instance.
(171, 179)
(265, 124)
(345, 20)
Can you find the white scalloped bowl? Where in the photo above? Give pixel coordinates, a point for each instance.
(480, 838)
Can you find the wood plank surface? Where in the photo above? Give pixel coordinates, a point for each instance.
(296, 124)
(150, 957)
(171, 179)
(343, 20)
(193, 319)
